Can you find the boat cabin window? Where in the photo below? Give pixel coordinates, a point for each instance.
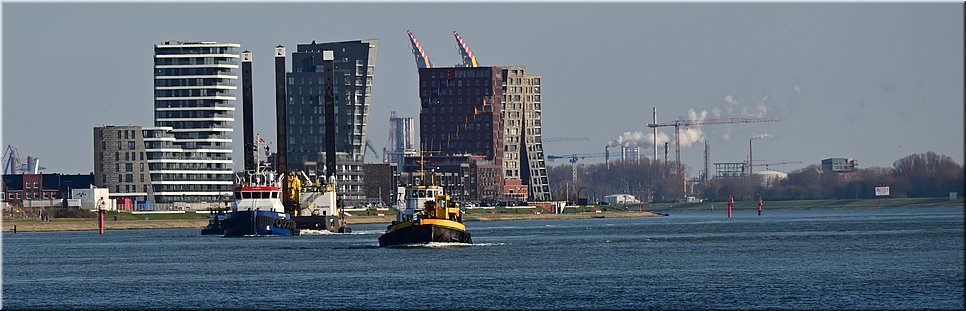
(419, 193)
(238, 196)
(274, 195)
(246, 195)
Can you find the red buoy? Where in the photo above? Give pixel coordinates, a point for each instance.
(100, 216)
(731, 204)
(760, 204)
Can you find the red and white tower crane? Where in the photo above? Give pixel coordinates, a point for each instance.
(422, 60)
(469, 60)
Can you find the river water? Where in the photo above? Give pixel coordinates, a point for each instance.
(862, 258)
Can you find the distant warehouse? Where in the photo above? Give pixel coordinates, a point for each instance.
(619, 199)
(839, 165)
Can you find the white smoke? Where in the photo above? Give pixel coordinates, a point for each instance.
(731, 106)
(639, 139)
(695, 133)
(761, 136)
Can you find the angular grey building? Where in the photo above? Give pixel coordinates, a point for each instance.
(194, 84)
(354, 68)
(121, 163)
(523, 158)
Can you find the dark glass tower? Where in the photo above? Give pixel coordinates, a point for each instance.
(354, 68)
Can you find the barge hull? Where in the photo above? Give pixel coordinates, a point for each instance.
(258, 223)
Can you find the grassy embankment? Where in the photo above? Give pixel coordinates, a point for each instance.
(126, 220)
(123, 221)
(193, 220)
(852, 203)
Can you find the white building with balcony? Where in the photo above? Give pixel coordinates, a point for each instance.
(190, 147)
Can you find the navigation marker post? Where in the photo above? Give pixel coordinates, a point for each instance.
(760, 204)
(731, 204)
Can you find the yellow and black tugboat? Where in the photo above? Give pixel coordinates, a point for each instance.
(428, 216)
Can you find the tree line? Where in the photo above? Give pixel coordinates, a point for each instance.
(917, 175)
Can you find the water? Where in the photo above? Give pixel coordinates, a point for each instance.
(866, 258)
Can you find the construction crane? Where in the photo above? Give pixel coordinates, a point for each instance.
(422, 60)
(11, 160)
(573, 161)
(469, 60)
(677, 124)
(775, 163)
(369, 146)
(13, 164)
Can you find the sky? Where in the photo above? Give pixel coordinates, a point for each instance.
(875, 82)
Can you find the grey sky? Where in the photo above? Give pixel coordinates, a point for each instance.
(872, 81)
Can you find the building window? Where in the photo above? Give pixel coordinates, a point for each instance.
(142, 167)
(127, 157)
(36, 185)
(129, 178)
(128, 167)
(119, 145)
(117, 156)
(130, 145)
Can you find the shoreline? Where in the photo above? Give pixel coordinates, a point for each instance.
(90, 224)
(652, 210)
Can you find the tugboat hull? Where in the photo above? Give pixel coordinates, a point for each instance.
(422, 233)
(214, 225)
(212, 229)
(258, 223)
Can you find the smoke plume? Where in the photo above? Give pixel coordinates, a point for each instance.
(639, 139)
(761, 136)
(695, 134)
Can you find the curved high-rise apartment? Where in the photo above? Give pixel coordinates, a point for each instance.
(193, 96)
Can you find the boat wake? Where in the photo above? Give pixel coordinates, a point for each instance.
(444, 245)
(315, 232)
(327, 232)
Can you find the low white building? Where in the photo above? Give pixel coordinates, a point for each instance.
(619, 199)
(94, 198)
